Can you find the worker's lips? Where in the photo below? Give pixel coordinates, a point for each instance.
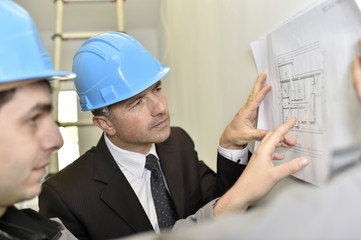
(161, 124)
(41, 169)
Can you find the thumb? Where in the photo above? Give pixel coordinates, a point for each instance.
(259, 134)
(290, 167)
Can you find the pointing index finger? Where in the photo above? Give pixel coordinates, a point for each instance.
(276, 136)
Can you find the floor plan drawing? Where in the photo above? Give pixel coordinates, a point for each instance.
(301, 89)
(301, 93)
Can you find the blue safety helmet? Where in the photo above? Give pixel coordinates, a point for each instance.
(112, 67)
(23, 55)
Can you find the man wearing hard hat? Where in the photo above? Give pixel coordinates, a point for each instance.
(143, 174)
(28, 132)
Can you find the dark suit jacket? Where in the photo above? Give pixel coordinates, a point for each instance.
(94, 200)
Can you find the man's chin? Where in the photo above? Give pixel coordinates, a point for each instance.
(31, 192)
(164, 135)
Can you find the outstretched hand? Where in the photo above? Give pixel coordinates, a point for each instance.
(241, 129)
(260, 175)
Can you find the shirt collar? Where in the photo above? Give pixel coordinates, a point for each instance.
(132, 162)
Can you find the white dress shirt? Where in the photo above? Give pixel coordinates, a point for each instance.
(132, 165)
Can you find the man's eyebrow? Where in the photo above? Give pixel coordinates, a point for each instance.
(140, 95)
(44, 106)
(40, 107)
(134, 99)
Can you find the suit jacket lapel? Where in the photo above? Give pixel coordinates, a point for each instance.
(117, 193)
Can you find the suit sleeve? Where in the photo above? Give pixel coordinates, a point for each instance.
(213, 184)
(51, 205)
(228, 172)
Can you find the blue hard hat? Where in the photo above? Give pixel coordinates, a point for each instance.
(23, 55)
(112, 67)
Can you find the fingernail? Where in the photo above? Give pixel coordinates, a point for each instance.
(303, 162)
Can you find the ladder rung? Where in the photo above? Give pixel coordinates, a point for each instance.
(70, 1)
(81, 35)
(79, 123)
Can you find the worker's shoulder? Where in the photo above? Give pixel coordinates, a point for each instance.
(178, 131)
(80, 167)
(178, 136)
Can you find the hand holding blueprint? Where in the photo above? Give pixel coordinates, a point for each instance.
(308, 60)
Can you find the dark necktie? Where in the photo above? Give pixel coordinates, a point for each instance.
(162, 201)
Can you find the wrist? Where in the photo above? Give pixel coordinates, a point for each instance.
(230, 202)
(227, 142)
(231, 145)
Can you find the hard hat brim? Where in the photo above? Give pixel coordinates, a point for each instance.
(19, 81)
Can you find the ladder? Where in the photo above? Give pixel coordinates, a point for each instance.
(58, 37)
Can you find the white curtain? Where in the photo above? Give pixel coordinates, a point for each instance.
(206, 44)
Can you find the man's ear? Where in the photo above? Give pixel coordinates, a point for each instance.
(104, 124)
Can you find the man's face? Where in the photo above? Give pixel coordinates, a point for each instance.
(28, 136)
(141, 120)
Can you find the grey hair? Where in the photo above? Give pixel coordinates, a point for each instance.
(104, 111)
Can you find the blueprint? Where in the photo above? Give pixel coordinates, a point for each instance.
(308, 60)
